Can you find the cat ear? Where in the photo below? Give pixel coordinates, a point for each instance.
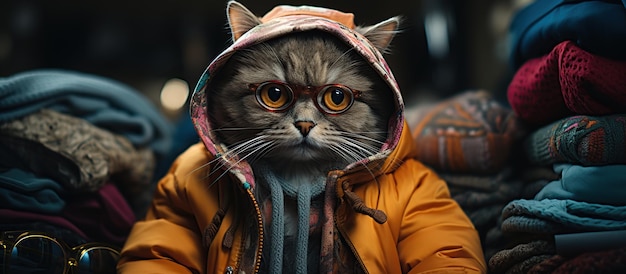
(240, 19)
(382, 33)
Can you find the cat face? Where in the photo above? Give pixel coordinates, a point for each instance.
(304, 96)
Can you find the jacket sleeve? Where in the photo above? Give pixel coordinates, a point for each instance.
(167, 240)
(436, 236)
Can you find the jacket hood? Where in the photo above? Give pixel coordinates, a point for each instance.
(284, 20)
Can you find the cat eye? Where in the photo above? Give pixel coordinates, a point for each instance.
(336, 99)
(278, 96)
(274, 96)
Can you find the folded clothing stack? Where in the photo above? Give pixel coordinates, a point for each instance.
(469, 139)
(569, 91)
(77, 153)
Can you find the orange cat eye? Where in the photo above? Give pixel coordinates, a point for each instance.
(278, 96)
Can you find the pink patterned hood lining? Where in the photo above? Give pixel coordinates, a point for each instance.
(278, 27)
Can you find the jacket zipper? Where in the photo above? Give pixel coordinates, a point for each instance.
(259, 254)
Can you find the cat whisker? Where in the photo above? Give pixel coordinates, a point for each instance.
(370, 172)
(237, 129)
(371, 149)
(368, 132)
(339, 151)
(241, 147)
(207, 165)
(260, 154)
(355, 151)
(396, 162)
(357, 136)
(365, 149)
(262, 146)
(231, 153)
(343, 154)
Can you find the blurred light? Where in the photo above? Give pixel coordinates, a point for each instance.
(174, 94)
(436, 27)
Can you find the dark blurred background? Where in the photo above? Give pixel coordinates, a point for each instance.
(447, 46)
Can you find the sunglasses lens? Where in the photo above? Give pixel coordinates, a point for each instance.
(97, 261)
(36, 255)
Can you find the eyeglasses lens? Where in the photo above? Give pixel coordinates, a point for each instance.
(36, 255)
(97, 261)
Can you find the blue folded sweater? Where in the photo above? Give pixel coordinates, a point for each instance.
(104, 102)
(598, 27)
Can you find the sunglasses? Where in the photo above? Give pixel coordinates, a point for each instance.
(33, 252)
(277, 96)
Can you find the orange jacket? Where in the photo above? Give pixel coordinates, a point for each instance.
(425, 230)
(394, 214)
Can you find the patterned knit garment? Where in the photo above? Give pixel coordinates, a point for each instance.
(468, 133)
(580, 139)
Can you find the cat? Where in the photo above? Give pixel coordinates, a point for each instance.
(302, 140)
(299, 136)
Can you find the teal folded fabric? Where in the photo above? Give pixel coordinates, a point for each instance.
(592, 184)
(596, 26)
(104, 102)
(577, 216)
(22, 190)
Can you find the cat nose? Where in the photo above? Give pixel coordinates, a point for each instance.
(304, 127)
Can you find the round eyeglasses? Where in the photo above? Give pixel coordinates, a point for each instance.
(277, 96)
(33, 252)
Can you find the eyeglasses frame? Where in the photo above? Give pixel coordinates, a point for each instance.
(10, 239)
(311, 91)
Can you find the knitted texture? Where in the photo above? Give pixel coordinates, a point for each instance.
(548, 265)
(609, 261)
(565, 82)
(483, 197)
(576, 215)
(525, 266)
(470, 132)
(584, 140)
(476, 200)
(516, 256)
(534, 225)
(484, 183)
(281, 190)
